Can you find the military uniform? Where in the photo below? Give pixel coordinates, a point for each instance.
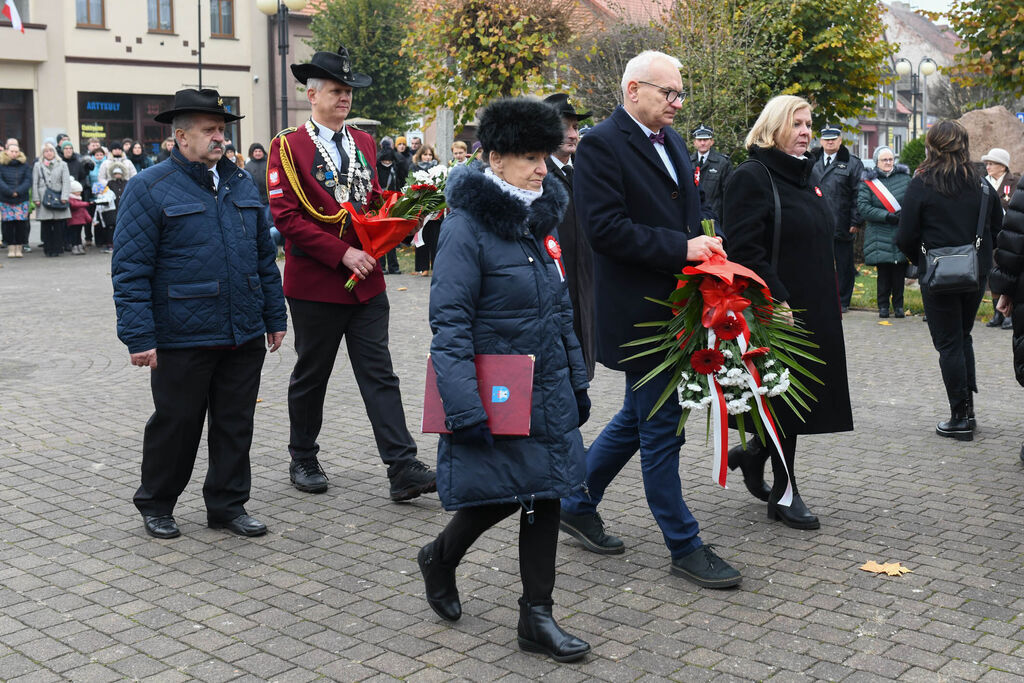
(711, 173)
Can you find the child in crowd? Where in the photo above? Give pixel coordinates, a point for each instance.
(79, 219)
(106, 216)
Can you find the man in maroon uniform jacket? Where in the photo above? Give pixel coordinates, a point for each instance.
(313, 170)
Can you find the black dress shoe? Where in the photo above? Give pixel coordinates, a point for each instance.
(883, 312)
(1022, 452)
(538, 632)
(796, 516)
(412, 481)
(307, 475)
(439, 581)
(589, 530)
(1007, 323)
(161, 526)
(243, 525)
(996, 321)
(751, 462)
(706, 569)
(898, 312)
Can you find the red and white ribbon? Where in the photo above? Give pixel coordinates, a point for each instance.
(720, 417)
(555, 251)
(754, 382)
(882, 192)
(719, 423)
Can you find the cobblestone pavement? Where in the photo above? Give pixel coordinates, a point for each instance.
(333, 591)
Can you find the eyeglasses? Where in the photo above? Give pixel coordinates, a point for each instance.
(670, 94)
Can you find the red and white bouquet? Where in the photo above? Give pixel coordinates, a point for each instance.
(729, 348)
(395, 215)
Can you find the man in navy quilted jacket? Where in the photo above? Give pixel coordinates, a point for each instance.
(197, 290)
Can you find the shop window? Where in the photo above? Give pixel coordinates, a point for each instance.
(161, 16)
(222, 18)
(89, 13)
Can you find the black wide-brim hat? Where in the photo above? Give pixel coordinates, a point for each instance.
(336, 66)
(565, 106)
(191, 101)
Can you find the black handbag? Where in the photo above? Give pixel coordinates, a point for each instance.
(955, 270)
(52, 200)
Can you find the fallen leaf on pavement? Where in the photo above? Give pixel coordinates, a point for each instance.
(890, 568)
(884, 322)
(402, 289)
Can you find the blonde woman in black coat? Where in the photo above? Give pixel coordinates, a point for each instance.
(802, 275)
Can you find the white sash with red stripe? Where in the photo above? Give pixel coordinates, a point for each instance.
(882, 192)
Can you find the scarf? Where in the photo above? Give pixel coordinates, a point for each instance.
(527, 197)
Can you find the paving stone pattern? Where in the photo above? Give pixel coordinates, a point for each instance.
(333, 591)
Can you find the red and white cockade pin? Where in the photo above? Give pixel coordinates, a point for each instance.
(696, 176)
(817, 191)
(555, 250)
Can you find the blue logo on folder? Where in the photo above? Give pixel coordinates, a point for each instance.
(499, 394)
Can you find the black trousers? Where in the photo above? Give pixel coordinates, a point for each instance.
(846, 271)
(73, 235)
(390, 260)
(538, 542)
(890, 284)
(190, 386)
(950, 321)
(425, 254)
(52, 233)
(319, 330)
(15, 232)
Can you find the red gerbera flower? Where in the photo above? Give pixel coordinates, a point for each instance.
(731, 327)
(424, 186)
(707, 361)
(756, 353)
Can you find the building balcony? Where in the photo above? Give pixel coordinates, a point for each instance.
(29, 46)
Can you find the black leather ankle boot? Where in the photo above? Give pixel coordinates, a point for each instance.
(796, 516)
(970, 412)
(442, 594)
(751, 462)
(538, 632)
(957, 426)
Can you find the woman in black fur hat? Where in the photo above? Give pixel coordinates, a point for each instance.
(499, 288)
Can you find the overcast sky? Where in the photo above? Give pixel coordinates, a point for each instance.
(932, 5)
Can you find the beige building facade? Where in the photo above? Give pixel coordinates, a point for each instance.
(104, 68)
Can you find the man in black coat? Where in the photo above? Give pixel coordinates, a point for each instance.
(840, 174)
(636, 200)
(576, 253)
(713, 169)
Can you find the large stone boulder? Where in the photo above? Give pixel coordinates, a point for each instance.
(995, 127)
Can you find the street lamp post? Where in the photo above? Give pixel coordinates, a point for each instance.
(925, 68)
(280, 9)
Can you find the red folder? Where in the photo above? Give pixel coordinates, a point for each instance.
(506, 391)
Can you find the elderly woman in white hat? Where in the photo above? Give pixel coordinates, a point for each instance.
(997, 166)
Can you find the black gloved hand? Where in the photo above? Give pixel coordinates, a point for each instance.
(473, 435)
(892, 218)
(583, 406)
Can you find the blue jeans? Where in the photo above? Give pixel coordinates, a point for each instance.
(658, 444)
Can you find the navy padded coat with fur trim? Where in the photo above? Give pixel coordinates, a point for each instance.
(496, 290)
